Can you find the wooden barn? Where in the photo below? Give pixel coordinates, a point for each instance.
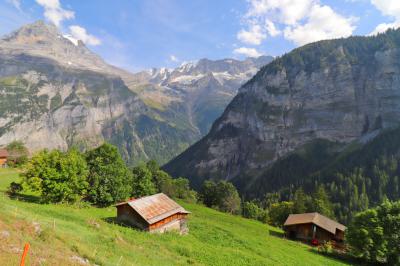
(313, 227)
(3, 157)
(156, 213)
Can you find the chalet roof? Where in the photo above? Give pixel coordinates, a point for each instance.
(317, 219)
(155, 208)
(3, 153)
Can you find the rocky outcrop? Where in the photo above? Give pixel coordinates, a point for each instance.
(338, 91)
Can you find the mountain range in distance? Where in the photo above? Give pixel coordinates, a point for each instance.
(56, 93)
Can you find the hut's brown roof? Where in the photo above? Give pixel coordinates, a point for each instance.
(155, 208)
(3, 153)
(315, 218)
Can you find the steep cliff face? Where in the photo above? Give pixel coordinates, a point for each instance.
(338, 91)
(48, 106)
(55, 93)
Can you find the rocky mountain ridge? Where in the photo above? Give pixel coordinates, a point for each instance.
(339, 91)
(55, 93)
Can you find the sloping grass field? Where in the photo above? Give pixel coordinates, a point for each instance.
(72, 235)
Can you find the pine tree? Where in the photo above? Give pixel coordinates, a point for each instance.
(299, 201)
(321, 203)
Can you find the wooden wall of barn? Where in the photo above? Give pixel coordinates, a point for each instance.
(305, 232)
(175, 222)
(126, 215)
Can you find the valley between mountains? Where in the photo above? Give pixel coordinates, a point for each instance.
(199, 132)
(324, 115)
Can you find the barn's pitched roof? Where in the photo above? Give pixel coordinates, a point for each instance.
(155, 208)
(315, 218)
(3, 153)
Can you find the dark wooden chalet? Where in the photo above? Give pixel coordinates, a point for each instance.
(156, 213)
(313, 227)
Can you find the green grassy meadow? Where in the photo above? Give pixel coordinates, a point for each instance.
(63, 235)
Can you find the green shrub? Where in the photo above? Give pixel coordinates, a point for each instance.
(15, 188)
(326, 247)
(220, 195)
(252, 211)
(175, 188)
(279, 212)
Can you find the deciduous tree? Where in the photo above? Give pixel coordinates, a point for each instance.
(109, 178)
(374, 234)
(58, 176)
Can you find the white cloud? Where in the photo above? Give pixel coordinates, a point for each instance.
(253, 36)
(80, 33)
(173, 58)
(283, 11)
(271, 29)
(250, 52)
(322, 23)
(15, 3)
(301, 21)
(390, 8)
(54, 12)
(381, 28)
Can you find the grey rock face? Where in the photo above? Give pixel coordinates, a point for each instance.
(47, 106)
(341, 94)
(56, 94)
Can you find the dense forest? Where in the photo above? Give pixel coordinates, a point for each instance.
(355, 176)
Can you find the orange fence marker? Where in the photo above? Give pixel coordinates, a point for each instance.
(26, 248)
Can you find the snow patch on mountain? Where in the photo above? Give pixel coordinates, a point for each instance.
(187, 79)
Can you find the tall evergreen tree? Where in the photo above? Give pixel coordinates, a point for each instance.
(321, 203)
(299, 201)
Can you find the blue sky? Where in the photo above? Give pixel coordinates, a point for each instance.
(140, 34)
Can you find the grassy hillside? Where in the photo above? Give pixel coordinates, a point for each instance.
(61, 235)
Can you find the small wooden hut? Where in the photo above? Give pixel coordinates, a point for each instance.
(3, 157)
(313, 227)
(156, 213)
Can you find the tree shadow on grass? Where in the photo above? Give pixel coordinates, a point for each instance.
(111, 220)
(115, 221)
(276, 234)
(25, 197)
(345, 258)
